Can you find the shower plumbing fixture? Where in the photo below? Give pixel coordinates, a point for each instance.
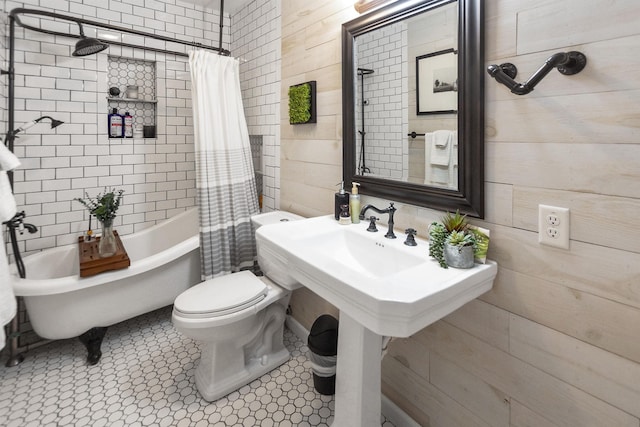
(17, 223)
(567, 63)
(88, 45)
(390, 210)
(362, 169)
(11, 135)
(54, 124)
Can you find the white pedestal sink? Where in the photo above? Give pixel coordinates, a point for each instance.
(381, 287)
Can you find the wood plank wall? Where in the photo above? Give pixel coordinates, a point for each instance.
(557, 341)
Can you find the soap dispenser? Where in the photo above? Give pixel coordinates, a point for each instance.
(354, 203)
(341, 198)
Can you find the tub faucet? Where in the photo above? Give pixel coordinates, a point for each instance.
(390, 210)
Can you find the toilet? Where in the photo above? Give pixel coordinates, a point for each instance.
(239, 319)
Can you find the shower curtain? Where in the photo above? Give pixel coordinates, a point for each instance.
(225, 181)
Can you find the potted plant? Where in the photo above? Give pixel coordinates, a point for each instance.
(453, 242)
(104, 208)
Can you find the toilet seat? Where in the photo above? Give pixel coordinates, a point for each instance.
(221, 296)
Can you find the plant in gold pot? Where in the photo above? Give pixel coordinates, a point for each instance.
(104, 207)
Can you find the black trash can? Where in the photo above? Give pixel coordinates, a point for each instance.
(323, 350)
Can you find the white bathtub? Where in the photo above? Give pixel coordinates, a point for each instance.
(165, 261)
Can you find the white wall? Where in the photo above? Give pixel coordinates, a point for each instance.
(59, 165)
(255, 35)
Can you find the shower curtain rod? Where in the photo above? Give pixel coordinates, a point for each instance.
(15, 16)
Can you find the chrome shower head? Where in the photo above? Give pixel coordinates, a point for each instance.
(88, 45)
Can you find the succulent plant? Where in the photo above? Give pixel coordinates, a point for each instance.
(461, 238)
(454, 222)
(454, 230)
(437, 236)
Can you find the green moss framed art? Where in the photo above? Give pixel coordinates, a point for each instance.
(302, 103)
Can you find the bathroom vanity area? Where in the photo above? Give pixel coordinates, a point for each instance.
(381, 287)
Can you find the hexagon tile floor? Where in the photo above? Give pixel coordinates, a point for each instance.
(145, 378)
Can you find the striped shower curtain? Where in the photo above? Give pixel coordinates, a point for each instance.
(225, 181)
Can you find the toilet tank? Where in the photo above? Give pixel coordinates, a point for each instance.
(275, 270)
(273, 217)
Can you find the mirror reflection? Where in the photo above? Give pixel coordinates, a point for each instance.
(406, 100)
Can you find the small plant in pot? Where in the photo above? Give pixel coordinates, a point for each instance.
(452, 242)
(104, 208)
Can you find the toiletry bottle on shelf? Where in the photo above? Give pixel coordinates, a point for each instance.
(341, 198)
(115, 124)
(354, 203)
(128, 125)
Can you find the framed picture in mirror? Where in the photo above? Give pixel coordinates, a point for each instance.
(437, 82)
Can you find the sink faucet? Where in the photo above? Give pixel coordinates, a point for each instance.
(390, 210)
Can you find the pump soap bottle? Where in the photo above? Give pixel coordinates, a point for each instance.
(354, 203)
(341, 198)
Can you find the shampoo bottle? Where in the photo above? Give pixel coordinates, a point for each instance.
(354, 203)
(128, 125)
(115, 124)
(341, 198)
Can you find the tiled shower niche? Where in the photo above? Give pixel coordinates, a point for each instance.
(124, 72)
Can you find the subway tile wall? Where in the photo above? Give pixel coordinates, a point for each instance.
(157, 175)
(255, 35)
(384, 51)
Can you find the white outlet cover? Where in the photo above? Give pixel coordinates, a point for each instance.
(561, 239)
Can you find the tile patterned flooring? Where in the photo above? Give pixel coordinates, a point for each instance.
(145, 378)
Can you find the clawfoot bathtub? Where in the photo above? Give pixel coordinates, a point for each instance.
(165, 261)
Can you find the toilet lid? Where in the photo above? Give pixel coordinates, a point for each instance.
(222, 295)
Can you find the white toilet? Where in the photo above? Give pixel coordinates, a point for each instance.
(239, 318)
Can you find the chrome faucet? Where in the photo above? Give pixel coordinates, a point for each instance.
(390, 210)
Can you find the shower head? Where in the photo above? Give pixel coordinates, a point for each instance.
(54, 124)
(88, 45)
(364, 71)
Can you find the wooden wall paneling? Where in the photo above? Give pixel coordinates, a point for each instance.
(573, 22)
(307, 307)
(411, 354)
(598, 321)
(498, 206)
(484, 321)
(545, 394)
(484, 400)
(442, 410)
(588, 119)
(594, 168)
(596, 77)
(596, 371)
(297, 15)
(594, 218)
(606, 272)
(521, 416)
(400, 399)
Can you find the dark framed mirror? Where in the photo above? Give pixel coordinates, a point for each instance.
(399, 62)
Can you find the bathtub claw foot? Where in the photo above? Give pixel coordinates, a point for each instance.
(92, 340)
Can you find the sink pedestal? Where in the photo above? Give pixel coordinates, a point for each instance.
(382, 287)
(358, 372)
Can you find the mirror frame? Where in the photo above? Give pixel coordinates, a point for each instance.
(469, 197)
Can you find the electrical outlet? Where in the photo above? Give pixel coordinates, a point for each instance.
(553, 219)
(553, 226)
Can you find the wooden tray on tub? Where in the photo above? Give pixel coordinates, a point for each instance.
(90, 261)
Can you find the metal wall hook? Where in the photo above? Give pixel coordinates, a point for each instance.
(567, 63)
